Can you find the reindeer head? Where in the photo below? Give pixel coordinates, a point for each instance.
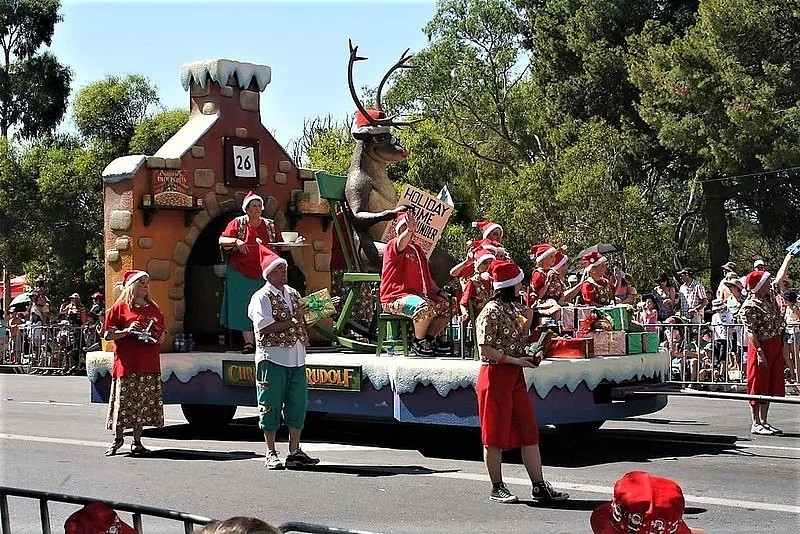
(372, 127)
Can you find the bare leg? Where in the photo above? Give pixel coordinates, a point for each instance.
(436, 325)
(532, 460)
(294, 439)
(269, 439)
(137, 434)
(421, 328)
(249, 337)
(755, 410)
(764, 409)
(493, 458)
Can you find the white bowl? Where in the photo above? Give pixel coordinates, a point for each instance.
(289, 237)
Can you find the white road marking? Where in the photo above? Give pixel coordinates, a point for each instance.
(713, 501)
(52, 403)
(330, 447)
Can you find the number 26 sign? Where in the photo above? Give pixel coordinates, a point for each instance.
(241, 162)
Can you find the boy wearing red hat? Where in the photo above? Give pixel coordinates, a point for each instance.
(408, 289)
(762, 321)
(281, 383)
(505, 410)
(596, 290)
(478, 289)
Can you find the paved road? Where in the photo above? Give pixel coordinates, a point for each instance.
(391, 478)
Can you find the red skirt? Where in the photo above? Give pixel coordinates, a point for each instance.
(766, 379)
(505, 411)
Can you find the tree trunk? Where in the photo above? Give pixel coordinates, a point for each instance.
(714, 211)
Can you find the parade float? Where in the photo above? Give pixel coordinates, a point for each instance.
(164, 213)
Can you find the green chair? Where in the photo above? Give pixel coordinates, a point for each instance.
(389, 327)
(331, 188)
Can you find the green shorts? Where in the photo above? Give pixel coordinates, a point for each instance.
(281, 389)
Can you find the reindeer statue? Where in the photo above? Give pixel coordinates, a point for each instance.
(369, 191)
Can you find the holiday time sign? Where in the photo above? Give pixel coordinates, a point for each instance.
(430, 213)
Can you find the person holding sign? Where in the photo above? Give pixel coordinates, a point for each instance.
(407, 288)
(243, 276)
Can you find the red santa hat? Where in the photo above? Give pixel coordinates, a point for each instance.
(561, 259)
(488, 244)
(482, 255)
(541, 251)
(96, 518)
(756, 280)
(642, 503)
(268, 259)
(251, 195)
(362, 125)
(486, 227)
(505, 274)
(593, 258)
(130, 277)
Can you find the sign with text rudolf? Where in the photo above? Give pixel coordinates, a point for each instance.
(430, 213)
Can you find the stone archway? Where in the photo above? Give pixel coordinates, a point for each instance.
(219, 208)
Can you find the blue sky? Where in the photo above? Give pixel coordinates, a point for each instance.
(305, 44)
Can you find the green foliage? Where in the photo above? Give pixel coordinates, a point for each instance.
(151, 133)
(331, 150)
(33, 87)
(110, 109)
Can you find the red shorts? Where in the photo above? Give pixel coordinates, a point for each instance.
(505, 411)
(766, 379)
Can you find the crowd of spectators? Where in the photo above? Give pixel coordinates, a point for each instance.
(50, 341)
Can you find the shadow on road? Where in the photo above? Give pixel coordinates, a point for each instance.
(373, 470)
(605, 446)
(190, 454)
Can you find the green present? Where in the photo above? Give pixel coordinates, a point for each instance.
(319, 305)
(634, 342)
(620, 315)
(650, 342)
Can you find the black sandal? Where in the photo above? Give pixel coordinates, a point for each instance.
(115, 446)
(137, 448)
(248, 348)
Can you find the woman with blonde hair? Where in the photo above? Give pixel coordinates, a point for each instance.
(136, 326)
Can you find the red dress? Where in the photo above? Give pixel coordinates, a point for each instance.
(130, 354)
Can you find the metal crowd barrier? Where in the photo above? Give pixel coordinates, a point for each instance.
(718, 358)
(138, 511)
(54, 349)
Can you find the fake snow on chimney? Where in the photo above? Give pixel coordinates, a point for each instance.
(211, 79)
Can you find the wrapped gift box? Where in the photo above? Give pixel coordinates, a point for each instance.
(620, 314)
(569, 318)
(319, 305)
(581, 314)
(635, 340)
(650, 342)
(607, 343)
(564, 347)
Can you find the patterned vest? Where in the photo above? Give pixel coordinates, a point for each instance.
(280, 311)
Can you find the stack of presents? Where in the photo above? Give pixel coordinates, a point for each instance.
(588, 332)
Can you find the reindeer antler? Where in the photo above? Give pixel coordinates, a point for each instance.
(402, 63)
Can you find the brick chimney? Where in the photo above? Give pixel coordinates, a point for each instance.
(225, 87)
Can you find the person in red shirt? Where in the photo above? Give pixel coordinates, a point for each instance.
(596, 290)
(243, 276)
(407, 288)
(136, 326)
(478, 289)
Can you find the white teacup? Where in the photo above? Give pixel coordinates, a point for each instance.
(289, 237)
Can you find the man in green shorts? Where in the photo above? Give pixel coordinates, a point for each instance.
(281, 339)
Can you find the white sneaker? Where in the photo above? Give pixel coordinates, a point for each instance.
(273, 461)
(761, 430)
(772, 428)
